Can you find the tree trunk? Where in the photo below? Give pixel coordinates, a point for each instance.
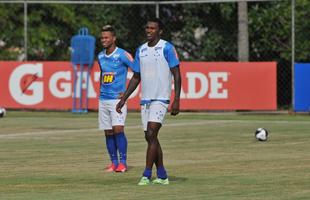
(243, 34)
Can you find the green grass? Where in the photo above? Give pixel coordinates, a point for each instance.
(59, 155)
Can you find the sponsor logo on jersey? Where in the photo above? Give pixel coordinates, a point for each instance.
(116, 56)
(108, 77)
(158, 48)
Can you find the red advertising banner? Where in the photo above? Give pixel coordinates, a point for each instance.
(205, 86)
(229, 85)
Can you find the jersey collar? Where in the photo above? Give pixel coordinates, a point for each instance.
(104, 52)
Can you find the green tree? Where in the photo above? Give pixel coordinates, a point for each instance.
(12, 31)
(205, 32)
(302, 31)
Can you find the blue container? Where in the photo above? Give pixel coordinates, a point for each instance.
(302, 87)
(82, 58)
(83, 48)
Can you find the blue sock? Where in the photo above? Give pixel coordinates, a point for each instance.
(147, 172)
(121, 143)
(161, 172)
(111, 147)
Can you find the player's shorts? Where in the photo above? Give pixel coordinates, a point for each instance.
(153, 112)
(107, 115)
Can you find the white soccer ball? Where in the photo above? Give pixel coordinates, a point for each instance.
(261, 134)
(2, 112)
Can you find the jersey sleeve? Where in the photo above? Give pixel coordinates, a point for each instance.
(99, 56)
(136, 63)
(127, 59)
(171, 55)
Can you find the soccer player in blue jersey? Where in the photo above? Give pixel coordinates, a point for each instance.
(114, 63)
(156, 61)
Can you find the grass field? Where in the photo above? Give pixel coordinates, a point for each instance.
(214, 156)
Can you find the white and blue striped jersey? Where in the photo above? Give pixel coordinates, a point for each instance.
(153, 64)
(114, 69)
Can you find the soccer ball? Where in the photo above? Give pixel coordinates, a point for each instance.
(261, 134)
(2, 112)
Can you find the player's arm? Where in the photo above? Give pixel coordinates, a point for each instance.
(100, 78)
(175, 107)
(133, 84)
(172, 58)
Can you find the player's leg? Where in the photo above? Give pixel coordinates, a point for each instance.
(152, 143)
(151, 152)
(147, 173)
(105, 124)
(157, 113)
(152, 119)
(112, 150)
(155, 154)
(159, 160)
(121, 143)
(154, 151)
(162, 177)
(118, 122)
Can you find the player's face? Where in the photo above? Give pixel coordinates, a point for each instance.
(107, 39)
(152, 31)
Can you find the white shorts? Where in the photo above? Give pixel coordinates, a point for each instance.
(153, 112)
(107, 115)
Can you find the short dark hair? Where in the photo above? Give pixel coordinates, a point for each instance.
(108, 28)
(158, 21)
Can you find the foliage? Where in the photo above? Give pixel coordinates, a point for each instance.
(12, 30)
(270, 31)
(302, 31)
(200, 31)
(198, 35)
(51, 26)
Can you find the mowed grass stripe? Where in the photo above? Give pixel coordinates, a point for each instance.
(186, 123)
(207, 157)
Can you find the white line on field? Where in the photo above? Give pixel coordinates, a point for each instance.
(188, 123)
(7, 135)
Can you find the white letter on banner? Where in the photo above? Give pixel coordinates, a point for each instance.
(192, 76)
(216, 85)
(91, 90)
(96, 77)
(64, 86)
(18, 93)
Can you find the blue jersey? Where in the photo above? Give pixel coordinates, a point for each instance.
(153, 64)
(114, 69)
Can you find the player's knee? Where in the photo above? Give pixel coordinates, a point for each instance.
(118, 129)
(150, 136)
(146, 138)
(108, 132)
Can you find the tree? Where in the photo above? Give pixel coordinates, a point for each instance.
(243, 34)
(11, 35)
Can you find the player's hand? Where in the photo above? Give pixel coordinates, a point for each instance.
(120, 105)
(120, 95)
(175, 107)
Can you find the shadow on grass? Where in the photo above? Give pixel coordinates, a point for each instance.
(177, 179)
